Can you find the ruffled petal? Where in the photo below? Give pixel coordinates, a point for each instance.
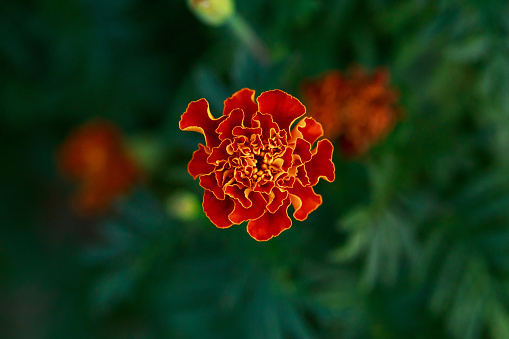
(321, 165)
(241, 213)
(217, 210)
(198, 118)
(276, 198)
(302, 175)
(266, 123)
(303, 149)
(308, 129)
(243, 99)
(270, 224)
(285, 161)
(286, 181)
(219, 153)
(238, 194)
(246, 131)
(242, 179)
(284, 108)
(209, 182)
(235, 119)
(198, 164)
(225, 177)
(264, 187)
(304, 200)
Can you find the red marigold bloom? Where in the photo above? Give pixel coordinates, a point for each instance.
(254, 165)
(94, 155)
(358, 110)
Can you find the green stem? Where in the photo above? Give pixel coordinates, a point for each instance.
(248, 36)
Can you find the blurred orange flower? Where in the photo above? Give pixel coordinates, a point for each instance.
(357, 110)
(254, 164)
(95, 157)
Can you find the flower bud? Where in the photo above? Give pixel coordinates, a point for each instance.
(183, 205)
(212, 12)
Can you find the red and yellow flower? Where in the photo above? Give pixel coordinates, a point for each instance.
(95, 157)
(357, 110)
(254, 165)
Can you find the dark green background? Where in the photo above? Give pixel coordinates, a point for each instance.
(412, 240)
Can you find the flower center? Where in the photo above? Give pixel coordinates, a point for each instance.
(253, 162)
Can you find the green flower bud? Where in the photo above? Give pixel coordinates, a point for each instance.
(183, 205)
(212, 12)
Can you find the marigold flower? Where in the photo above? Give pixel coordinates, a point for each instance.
(253, 165)
(94, 156)
(357, 110)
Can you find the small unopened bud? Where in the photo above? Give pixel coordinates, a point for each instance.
(183, 205)
(212, 12)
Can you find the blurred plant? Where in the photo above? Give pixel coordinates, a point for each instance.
(222, 12)
(253, 165)
(213, 12)
(131, 244)
(148, 150)
(421, 250)
(383, 232)
(357, 109)
(467, 253)
(95, 157)
(183, 205)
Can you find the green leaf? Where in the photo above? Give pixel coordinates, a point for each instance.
(471, 49)
(111, 289)
(498, 320)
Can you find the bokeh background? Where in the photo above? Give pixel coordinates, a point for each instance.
(412, 239)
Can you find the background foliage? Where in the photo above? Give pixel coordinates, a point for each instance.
(412, 241)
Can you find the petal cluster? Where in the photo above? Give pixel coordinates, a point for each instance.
(254, 164)
(94, 156)
(357, 109)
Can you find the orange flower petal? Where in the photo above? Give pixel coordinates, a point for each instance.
(209, 182)
(239, 195)
(264, 187)
(198, 118)
(304, 200)
(284, 108)
(266, 123)
(270, 224)
(217, 210)
(246, 131)
(243, 181)
(303, 150)
(302, 175)
(321, 165)
(287, 182)
(287, 159)
(241, 213)
(243, 99)
(198, 164)
(277, 197)
(219, 153)
(225, 128)
(308, 129)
